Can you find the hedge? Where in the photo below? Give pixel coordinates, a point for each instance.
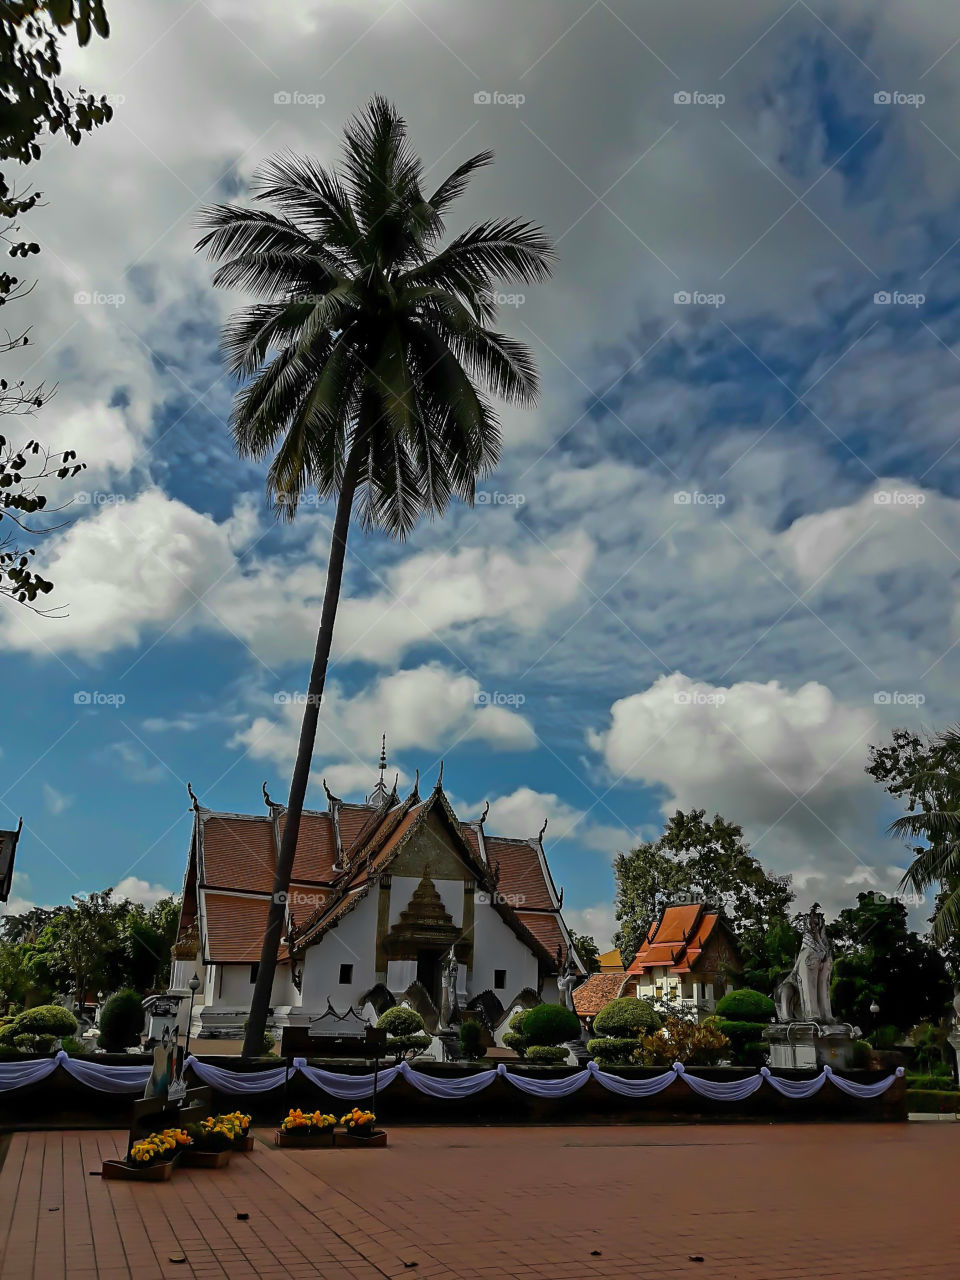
(627, 1016)
(943, 1101)
(47, 1021)
(550, 1024)
(471, 1040)
(121, 1021)
(746, 1047)
(746, 1005)
(550, 1054)
(939, 1084)
(613, 1050)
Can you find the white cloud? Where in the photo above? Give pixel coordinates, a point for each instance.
(136, 764)
(521, 814)
(134, 889)
(597, 922)
(787, 765)
(55, 801)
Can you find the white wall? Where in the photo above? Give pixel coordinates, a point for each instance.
(236, 990)
(496, 946)
(353, 941)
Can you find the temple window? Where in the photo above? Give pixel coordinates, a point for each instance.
(499, 979)
(346, 974)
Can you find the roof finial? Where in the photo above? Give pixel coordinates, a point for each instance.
(440, 777)
(379, 794)
(266, 796)
(195, 802)
(415, 793)
(330, 796)
(542, 830)
(486, 810)
(383, 755)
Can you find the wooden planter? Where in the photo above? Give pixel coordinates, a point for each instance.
(119, 1170)
(206, 1159)
(245, 1143)
(284, 1139)
(350, 1138)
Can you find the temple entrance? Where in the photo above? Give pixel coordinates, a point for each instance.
(429, 973)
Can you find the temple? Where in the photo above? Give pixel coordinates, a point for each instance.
(381, 893)
(687, 958)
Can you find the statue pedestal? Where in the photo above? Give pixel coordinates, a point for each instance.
(809, 1045)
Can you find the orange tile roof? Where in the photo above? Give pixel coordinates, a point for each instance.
(238, 853)
(676, 940)
(545, 928)
(598, 990)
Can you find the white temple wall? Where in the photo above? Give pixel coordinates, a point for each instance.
(352, 942)
(496, 946)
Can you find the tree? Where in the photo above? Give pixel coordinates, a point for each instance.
(34, 106)
(381, 340)
(696, 860)
(924, 772)
(587, 950)
(879, 959)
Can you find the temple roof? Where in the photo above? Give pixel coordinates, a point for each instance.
(677, 940)
(598, 990)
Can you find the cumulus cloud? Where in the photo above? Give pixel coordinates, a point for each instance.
(133, 889)
(522, 812)
(785, 764)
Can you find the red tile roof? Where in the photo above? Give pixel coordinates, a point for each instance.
(598, 990)
(546, 929)
(521, 872)
(235, 926)
(238, 853)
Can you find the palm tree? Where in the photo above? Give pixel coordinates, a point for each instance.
(933, 789)
(368, 357)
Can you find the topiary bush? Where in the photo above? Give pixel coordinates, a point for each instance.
(862, 1057)
(747, 1049)
(550, 1024)
(46, 1020)
(547, 1054)
(628, 1016)
(514, 1038)
(404, 1046)
(613, 1050)
(400, 1021)
(471, 1040)
(121, 1021)
(746, 1005)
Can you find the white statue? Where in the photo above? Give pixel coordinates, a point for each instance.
(804, 995)
(449, 1005)
(568, 979)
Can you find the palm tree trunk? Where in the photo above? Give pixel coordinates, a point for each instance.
(260, 1006)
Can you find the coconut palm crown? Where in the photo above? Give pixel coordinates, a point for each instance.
(368, 360)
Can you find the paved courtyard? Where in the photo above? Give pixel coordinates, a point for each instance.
(758, 1201)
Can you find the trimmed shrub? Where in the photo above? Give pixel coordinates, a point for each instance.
(73, 1047)
(628, 1016)
(547, 1054)
(471, 1040)
(862, 1054)
(121, 1021)
(746, 1005)
(679, 1040)
(400, 1046)
(746, 1047)
(46, 1020)
(942, 1101)
(400, 1021)
(613, 1050)
(550, 1024)
(515, 1041)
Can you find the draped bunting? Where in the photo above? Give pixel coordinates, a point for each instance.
(109, 1079)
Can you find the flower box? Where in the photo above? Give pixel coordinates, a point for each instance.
(193, 1159)
(290, 1138)
(351, 1138)
(117, 1170)
(244, 1143)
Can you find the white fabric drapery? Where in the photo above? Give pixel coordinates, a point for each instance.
(353, 1088)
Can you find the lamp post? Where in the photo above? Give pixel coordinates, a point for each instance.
(194, 985)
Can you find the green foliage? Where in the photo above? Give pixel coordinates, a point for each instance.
(697, 860)
(73, 1047)
(121, 1021)
(747, 1049)
(471, 1042)
(517, 1021)
(682, 1040)
(409, 1046)
(884, 1037)
(613, 1050)
(746, 1006)
(515, 1041)
(943, 1101)
(49, 1021)
(587, 950)
(550, 1024)
(934, 1081)
(880, 959)
(862, 1054)
(627, 1016)
(400, 1021)
(546, 1054)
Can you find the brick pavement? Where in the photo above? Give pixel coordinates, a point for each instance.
(757, 1202)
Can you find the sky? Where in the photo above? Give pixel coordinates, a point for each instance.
(718, 560)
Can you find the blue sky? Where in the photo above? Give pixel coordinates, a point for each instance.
(584, 644)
